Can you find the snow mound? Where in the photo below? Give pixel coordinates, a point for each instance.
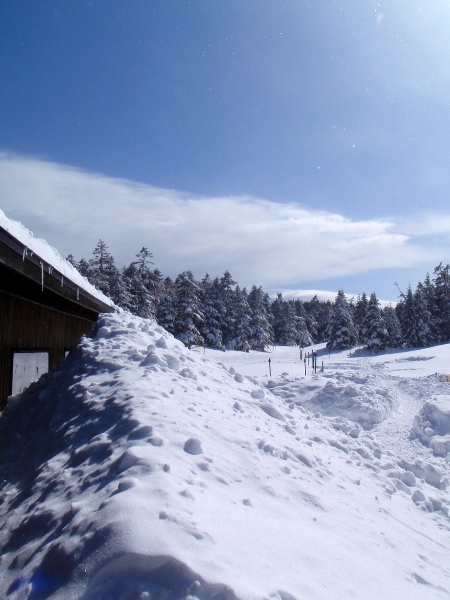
(138, 469)
(432, 425)
(352, 397)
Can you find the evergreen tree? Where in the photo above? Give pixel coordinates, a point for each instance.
(166, 313)
(224, 305)
(189, 317)
(102, 269)
(442, 294)
(393, 327)
(84, 268)
(318, 314)
(277, 309)
(211, 328)
(261, 334)
(359, 317)
(433, 308)
(409, 320)
(70, 259)
(303, 336)
(288, 334)
(341, 331)
(142, 283)
(120, 292)
(374, 325)
(423, 330)
(141, 303)
(241, 311)
(310, 312)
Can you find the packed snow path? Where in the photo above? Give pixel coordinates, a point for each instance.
(141, 470)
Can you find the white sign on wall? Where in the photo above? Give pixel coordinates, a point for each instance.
(28, 367)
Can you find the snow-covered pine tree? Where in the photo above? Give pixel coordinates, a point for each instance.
(341, 331)
(102, 268)
(423, 329)
(277, 317)
(210, 328)
(393, 327)
(321, 313)
(359, 316)
(241, 311)
(442, 293)
(189, 317)
(303, 336)
(309, 311)
(409, 320)
(141, 302)
(433, 308)
(84, 268)
(142, 284)
(224, 297)
(155, 286)
(374, 325)
(261, 334)
(288, 334)
(120, 291)
(166, 313)
(71, 260)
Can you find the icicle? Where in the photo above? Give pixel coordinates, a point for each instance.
(62, 280)
(24, 253)
(78, 293)
(42, 275)
(50, 269)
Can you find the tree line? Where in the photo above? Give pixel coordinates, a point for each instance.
(220, 314)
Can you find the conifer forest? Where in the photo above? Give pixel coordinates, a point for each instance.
(218, 313)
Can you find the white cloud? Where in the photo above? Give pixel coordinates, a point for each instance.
(259, 241)
(323, 295)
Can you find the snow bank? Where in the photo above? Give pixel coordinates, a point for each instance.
(432, 425)
(353, 397)
(139, 469)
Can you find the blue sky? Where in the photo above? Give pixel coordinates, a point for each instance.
(274, 120)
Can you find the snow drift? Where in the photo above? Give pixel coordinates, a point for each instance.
(139, 469)
(432, 425)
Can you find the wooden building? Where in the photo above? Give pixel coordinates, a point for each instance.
(45, 306)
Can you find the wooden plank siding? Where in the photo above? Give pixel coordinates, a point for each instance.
(28, 326)
(40, 309)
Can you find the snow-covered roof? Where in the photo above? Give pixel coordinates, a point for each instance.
(50, 257)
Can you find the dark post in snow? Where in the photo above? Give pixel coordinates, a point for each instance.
(322, 366)
(304, 360)
(270, 369)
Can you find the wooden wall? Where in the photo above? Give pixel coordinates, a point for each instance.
(26, 325)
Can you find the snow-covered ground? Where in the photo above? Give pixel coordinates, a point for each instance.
(141, 470)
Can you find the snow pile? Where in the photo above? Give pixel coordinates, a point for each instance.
(139, 469)
(351, 396)
(432, 425)
(50, 256)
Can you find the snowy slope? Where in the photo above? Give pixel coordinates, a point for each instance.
(139, 469)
